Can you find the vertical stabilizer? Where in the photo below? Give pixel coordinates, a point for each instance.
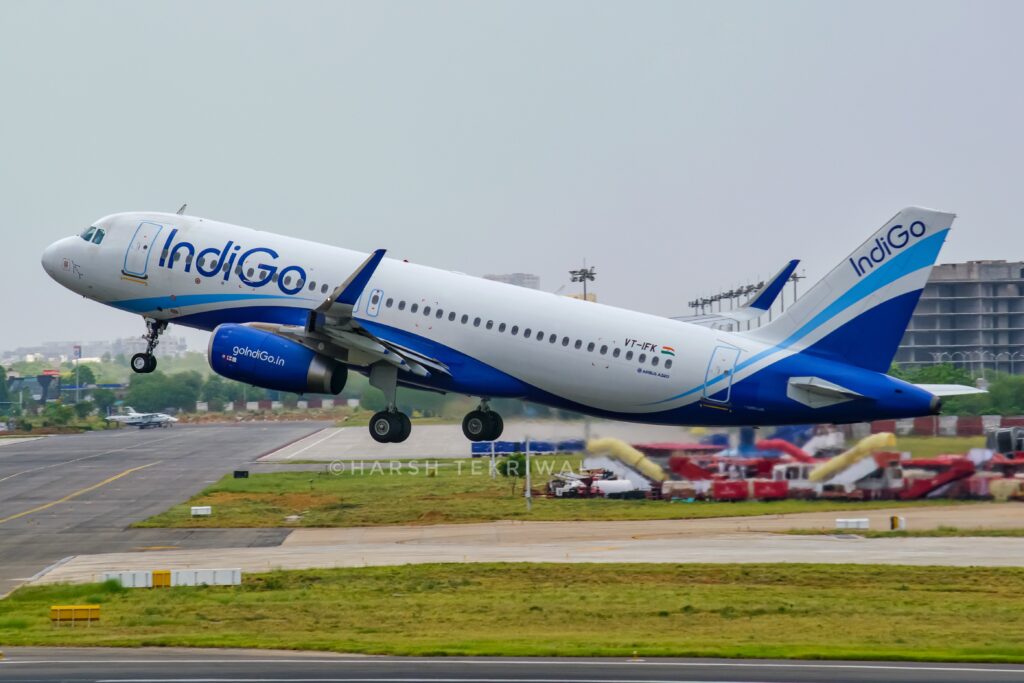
(858, 313)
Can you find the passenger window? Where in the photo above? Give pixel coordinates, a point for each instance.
(643, 358)
(465, 318)
(540, 336)
(654, 361)
(390, 302)
(490, 324)
(312, 286)
(414, 308)
(590, 346)
(401, 305)
(629, 355)
(476, 322)
(373, 300)
(565, 341)
(287, 280)
(188, 261)
(578, 344)
(514, 330)
(553, 338)
(100, 234)
(604, 349)
(451, 316)
(426, 310)
(615, 352)
(323, 289)
(501, 327)
(668, 363)
(439, 314)
(238, 270)
(527, 333)
(277, 276)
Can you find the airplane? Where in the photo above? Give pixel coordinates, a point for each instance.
(132, 418)
(292, 315)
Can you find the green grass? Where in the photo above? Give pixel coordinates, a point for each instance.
(930, 446)
(457, 491)
(939, 532)
(770, 610)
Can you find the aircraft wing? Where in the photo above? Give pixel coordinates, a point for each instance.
(332, 329)
(759, 303)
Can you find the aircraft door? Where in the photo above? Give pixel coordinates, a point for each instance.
(720, 374)
(136, 259)
(373, 308)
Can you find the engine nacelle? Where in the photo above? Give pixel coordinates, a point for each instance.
(267, 360)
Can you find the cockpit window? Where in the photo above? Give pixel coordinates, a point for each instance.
(88, 234)
(100, 234)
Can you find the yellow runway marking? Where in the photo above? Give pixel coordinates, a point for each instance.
(78, 493)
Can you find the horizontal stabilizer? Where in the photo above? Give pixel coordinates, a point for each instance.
(950, 389)
(816, 392)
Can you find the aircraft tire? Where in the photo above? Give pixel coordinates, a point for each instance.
(497, 426)
(385, 427)
(143, 363)
(406, 428)
(476, 425)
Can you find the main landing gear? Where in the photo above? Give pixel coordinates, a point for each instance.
(389, 425)
(482, 424)
(146, 362)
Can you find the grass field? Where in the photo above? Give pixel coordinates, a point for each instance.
(930, 446)
(942, 531)
(447, 492)
(790, 611)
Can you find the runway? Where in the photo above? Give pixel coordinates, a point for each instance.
(62, 496)
(169, 665)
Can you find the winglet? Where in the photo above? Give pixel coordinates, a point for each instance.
(349, 291)
(765, 297)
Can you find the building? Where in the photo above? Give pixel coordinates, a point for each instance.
(527, 280)
(970, 314)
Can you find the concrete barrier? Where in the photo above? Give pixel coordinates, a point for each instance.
(202, 510)
(206, 577)
(131, 578)
(853, 523)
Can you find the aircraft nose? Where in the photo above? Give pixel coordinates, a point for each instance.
(49, 259)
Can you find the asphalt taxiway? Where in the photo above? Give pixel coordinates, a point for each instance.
(172, 665)
(62, 496)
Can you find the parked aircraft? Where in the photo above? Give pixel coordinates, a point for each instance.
(297, 316)
(132, 418)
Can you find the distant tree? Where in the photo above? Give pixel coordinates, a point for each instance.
(85, 376)
(4, 393)
(157, 391)
(513, 467)
(84, 409)
(104, 399)
(57, 413)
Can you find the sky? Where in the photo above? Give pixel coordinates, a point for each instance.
(681, 148)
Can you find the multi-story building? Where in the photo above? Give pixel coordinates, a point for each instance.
(527, 280)
(970, 314)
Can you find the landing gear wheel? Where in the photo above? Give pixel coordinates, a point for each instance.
(476, 425)
(388, 427)
(497, 426)
(406, 428)
(143, 363)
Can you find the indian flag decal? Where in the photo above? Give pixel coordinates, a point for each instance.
(668, 351)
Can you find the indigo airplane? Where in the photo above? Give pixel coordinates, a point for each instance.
(297, 316)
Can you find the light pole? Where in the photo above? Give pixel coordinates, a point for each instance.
(583, 275)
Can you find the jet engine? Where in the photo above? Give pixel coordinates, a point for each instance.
(270, 361)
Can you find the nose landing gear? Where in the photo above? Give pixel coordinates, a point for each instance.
(482, 424)
(146, 362)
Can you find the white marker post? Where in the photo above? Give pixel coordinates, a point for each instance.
(494, 470)
(527, 493)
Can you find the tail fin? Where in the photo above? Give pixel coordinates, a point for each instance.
(858, 313)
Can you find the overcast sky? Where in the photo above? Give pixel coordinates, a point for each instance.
(679, 147)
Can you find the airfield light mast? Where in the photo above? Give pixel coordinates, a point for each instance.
(583, 275)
